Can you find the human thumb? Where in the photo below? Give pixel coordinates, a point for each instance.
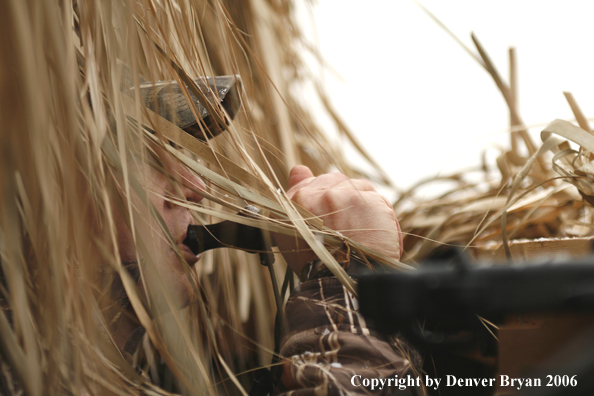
(298, 174)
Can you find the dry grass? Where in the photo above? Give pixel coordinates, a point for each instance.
(72, 142)
(535, 192)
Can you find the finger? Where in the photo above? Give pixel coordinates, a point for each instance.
(298, 174)
(327, 181)
(356, 184)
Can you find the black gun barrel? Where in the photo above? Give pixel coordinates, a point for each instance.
(462, 291)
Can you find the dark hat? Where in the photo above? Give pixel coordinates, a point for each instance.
(166, 99)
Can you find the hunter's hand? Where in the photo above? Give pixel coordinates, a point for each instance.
(349, 206)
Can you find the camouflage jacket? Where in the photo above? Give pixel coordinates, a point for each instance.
(330, 350)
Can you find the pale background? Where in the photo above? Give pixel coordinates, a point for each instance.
(419, 103)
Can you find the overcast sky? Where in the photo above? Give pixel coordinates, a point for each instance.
(420, 104)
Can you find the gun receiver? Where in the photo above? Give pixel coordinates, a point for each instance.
(441, 307)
